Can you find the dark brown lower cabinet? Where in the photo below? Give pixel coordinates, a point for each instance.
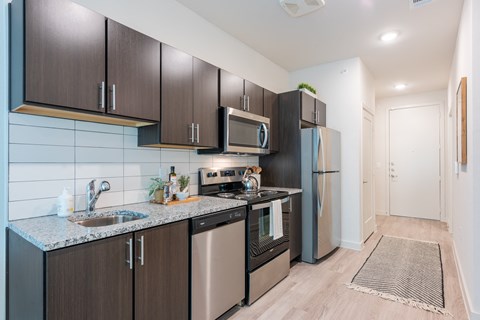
(97, 281)
(295, 226)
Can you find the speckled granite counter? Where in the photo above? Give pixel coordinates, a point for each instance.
(52, 232)
(289, 190)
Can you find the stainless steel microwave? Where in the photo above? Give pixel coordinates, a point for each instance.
(242, 133)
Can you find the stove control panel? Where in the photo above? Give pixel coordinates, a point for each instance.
(210, 176)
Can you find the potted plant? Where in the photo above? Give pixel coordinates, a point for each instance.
(156, 189)
(183, 182)
(308, 89)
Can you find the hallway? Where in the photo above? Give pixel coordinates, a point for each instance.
(318, 291)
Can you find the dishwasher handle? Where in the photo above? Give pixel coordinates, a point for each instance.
(217, 220)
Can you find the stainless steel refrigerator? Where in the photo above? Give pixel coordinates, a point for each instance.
(321, 198)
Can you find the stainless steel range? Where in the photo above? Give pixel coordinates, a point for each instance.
(268, 256)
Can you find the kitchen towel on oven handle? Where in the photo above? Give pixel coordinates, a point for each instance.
(276, 223)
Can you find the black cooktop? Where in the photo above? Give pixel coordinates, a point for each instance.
(252, 197)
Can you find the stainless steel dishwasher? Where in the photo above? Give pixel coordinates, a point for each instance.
(218, 263)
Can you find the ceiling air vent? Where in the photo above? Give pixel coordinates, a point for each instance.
(297, 8)
(418, 3)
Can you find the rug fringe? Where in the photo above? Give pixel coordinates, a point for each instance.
(391, 297)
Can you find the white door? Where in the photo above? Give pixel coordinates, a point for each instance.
(368, 212)
(415, 162)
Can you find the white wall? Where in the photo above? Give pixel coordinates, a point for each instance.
(344, 86)
(3, 147)
(174, 24)
(382, 140)
(463, 201)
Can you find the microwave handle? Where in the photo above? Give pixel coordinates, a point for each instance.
(265, 140)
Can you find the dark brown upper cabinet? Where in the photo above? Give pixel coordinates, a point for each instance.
(241, 94)
(141, 275)
(271, 111)
(63, 57)
(313, 110)
(133, 73)
(189, 113)
(58, 65)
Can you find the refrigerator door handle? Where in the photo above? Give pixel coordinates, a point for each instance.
(320, 195)
(319, 151)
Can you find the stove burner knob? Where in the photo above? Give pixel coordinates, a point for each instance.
(209, 175)
(214, 174)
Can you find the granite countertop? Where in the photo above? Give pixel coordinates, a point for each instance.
(52, 232)
(289, 190)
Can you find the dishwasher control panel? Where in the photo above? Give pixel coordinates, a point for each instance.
(217, 219)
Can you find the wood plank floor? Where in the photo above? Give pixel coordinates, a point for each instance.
(318, 291)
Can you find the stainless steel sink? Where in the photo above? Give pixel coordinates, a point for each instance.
(110, 218)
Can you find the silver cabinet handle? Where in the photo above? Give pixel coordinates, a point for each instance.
(198, 132)
(314, 116)
(192, 138)
(130, 253)
(244, 102)
(101, 92)
(113, 102)
(248, 103)
(141, 258)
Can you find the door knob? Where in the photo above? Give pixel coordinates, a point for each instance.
(365, 181)
(393, 175)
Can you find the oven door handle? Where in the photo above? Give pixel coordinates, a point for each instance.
(267, 205)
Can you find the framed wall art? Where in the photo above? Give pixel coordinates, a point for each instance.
(462, 121)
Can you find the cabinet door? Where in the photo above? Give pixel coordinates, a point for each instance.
(205, 103)
(321, 111)
(308, 107)
(255, 98)
(295, 226)
(271, 111)
(177, 97)
(231, 90)
(64, 54)
(90, 281)
(133, 73)
(161, 283)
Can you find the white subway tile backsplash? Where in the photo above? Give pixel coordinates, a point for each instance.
(141, 169)
(47, 154)
(37, 189)
(32, 208)
(180, 156)
(88, 170)
(98, 139)
(130, 131)
(40, 153)
(41, 171)
(98, 155)
(38, 121)
(135, 196)
(137, 183)
(141, 155)
(98, 127)
(40, 135)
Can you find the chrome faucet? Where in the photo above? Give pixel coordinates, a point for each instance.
(91, 197)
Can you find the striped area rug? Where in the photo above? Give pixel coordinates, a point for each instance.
(406, 271)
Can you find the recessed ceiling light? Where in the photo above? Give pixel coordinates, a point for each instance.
(389, 36)
(400, 86)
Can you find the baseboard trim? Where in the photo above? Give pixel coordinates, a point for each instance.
(381, 213)
(357, 246)
(466, 297)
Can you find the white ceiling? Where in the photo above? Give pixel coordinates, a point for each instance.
(344, 29)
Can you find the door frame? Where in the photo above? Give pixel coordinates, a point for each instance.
(366, 110)
(442, 154)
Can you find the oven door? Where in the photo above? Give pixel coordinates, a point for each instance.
(261, 245)
(245, 132)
